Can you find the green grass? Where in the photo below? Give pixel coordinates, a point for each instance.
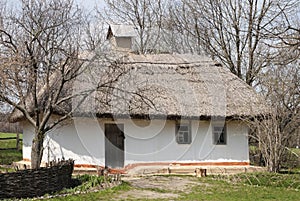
(9, 135)
(87, 182)
(101, 195)
(256, 186)
(107, 194)
(9, 156)
(8, 143)
(7, 169)
(222, 190)
(91, 182)
(253, 148)
(289, 181)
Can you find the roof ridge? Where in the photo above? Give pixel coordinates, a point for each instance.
(166, 63)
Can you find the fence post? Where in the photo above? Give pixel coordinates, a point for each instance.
(17, 138)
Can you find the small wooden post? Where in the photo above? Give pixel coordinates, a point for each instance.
(18, 140)
(200, 172)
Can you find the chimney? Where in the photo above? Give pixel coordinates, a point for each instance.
(121, 36)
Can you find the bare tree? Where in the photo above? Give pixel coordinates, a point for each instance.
(236, 33)
(280, 84)
(39, 52)
(286, 39)
(145, 15)
(40, 58)
(279, 130)
(94, 31)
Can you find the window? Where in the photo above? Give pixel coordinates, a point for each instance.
(219, 135)
(183, 134)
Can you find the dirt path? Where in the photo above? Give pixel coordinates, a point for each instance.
(158, 187)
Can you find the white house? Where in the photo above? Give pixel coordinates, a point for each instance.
(164, 109)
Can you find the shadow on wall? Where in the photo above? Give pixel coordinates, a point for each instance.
(71, 142)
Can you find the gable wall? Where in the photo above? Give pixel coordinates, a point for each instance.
(124, 42)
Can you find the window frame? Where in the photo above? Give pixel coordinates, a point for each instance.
(216, 140)
(184, 132)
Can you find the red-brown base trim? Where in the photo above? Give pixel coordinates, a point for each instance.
(91, 166)
(130, 166)
(134, 165)
(86, 166)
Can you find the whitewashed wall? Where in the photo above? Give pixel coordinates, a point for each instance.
(145, 141)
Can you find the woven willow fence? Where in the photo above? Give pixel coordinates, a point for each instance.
(33, 183)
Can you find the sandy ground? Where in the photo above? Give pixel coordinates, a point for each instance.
(158, 187)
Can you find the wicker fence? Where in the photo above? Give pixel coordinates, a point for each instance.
(33, 183)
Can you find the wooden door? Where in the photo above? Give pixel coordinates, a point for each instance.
(114, 145)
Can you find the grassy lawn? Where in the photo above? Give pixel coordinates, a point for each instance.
(3, 135)
(255, 186)
(263, 186)
(10, 155)
(223, 191)
(107, 194)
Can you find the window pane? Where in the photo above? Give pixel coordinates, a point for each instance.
(186, 137)
(183, 128)
(221, 138)
(218, 128)
(219, 135)
(183, 134)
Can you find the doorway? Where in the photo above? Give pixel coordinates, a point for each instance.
(114, 145)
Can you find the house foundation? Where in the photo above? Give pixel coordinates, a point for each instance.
(162, 168)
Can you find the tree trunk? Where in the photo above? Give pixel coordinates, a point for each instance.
(37, 150)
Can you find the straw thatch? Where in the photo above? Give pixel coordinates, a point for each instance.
(164, 85)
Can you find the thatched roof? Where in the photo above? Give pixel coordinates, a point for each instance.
(167, 85)
(176, 85)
